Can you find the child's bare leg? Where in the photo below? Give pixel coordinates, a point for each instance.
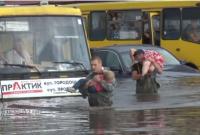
(152, 68)
(145, 67)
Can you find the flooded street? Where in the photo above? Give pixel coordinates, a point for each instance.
(174, 111)
(51, 49)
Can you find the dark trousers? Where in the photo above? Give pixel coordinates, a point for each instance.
(147, 85)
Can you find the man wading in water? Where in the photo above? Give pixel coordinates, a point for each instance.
(146, 84)
(98, 86)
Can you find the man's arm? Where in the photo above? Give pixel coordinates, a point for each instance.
(109, 87)
(136, 76)
(89, 81)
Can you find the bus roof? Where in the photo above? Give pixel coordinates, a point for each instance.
(134, 4)
(38, 10)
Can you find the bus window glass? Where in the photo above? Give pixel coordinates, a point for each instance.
(191, 24)
(171, 24)
(124, 24)
(44, 41)
(97, 26)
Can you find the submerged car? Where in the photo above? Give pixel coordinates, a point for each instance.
(117, 58)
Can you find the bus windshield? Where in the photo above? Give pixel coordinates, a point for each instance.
(50, 43)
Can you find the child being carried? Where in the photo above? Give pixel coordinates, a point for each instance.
(147, 57)
(95, 87)
(94, 84)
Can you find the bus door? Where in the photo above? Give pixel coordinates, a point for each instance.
(155, 27)
(146, 34)
(151, 28)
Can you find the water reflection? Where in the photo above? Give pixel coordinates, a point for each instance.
(151, 120)
(130, 114)
(102, 121)
(98, 121)
(189, 81)
(147, 98)
(182, 121)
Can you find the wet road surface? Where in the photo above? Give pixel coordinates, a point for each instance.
(174, 111)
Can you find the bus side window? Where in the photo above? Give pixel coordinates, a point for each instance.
(171, 24)
(124, 25)
(97, 26)
(191, 24)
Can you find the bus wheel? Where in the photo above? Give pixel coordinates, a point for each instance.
(191, 65)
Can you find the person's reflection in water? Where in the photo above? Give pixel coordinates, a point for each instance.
(101, 120)
(153, 119)
(148, 97)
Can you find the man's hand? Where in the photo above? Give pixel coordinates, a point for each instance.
(136, 76)
(97, 78)
(89, 84)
